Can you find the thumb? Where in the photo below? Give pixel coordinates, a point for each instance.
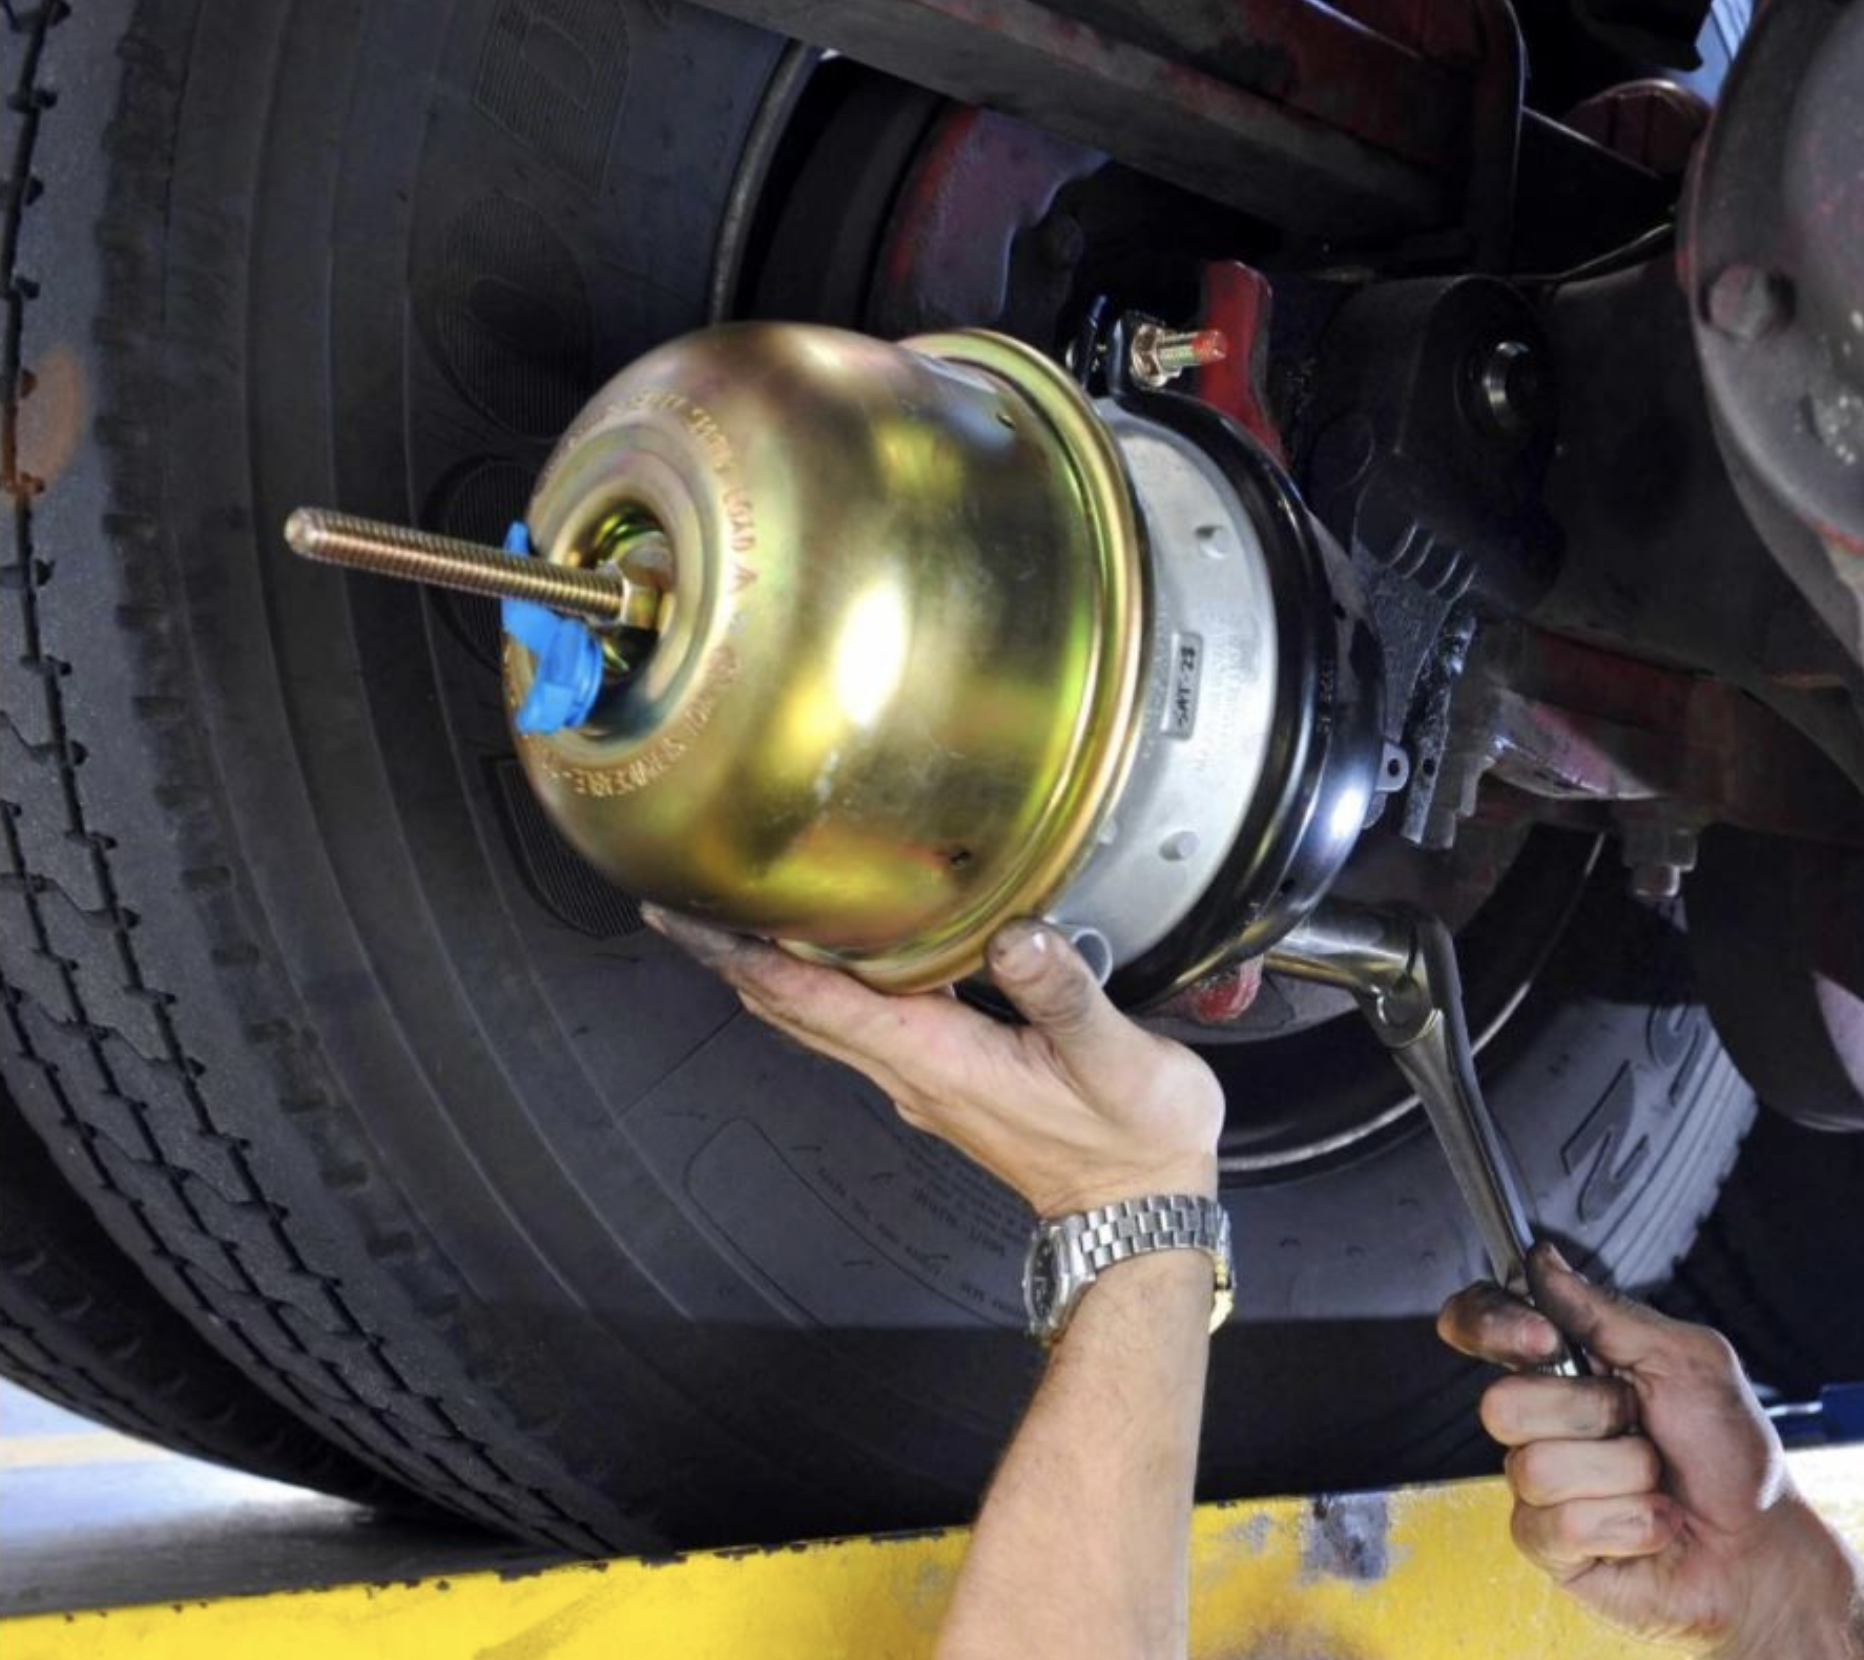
(1056, 992)
(1619, 1331)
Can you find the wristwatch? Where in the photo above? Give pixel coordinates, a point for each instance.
(1068, 1253)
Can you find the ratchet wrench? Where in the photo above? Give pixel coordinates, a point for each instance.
(1400, 966)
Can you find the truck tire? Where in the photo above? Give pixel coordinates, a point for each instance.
(454, 1160)
(80, 1325)
(1775, 1268)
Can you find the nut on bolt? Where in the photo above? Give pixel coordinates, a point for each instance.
(1746, 303)
(1158, 356)
(1836, 415)
(1659, 855)
(1511, 387)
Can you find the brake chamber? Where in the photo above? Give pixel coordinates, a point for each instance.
(870, 648)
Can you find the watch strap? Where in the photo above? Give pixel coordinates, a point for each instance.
(1090, 1242)
(1136, 1227)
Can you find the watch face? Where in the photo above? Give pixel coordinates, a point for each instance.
(1039, 1279)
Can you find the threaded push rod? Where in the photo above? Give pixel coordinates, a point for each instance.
(447, 562)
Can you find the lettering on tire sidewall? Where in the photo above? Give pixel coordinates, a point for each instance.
(1613, 1148)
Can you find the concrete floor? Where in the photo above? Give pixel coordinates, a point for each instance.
(90, 1518)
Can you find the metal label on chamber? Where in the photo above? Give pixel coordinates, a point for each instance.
(1187, 667)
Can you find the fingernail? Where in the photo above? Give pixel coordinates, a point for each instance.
(709, 945)
(1556, 1258)
(1020, 950)
(655, 918)
(1541, 1337)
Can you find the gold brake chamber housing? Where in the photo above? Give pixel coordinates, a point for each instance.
(919, 639)
(883, 645)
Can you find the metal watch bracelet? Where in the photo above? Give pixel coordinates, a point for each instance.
(1068, 1254)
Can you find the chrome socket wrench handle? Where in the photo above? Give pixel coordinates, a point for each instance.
(1401, 968)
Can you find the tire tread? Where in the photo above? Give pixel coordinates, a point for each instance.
(82, 1014)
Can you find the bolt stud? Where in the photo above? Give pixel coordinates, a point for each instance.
(602, 598)
(1159, 356)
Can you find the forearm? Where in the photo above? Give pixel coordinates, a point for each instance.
(1082, 1545)
(1815, 1604)
(1840, 1634)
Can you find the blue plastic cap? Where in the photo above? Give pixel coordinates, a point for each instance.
(566, 670)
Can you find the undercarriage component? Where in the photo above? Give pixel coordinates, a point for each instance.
(1774, 262)
(1655, 751)
(927, 641)
(1302, 808)
(1426, 438)
(1307, 118)
(982, 184)
(1423, 446)
(1654, 123)
(1779, 958)
(1662, 561)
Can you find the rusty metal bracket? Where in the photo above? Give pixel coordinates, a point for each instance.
(1291, 111)
(1564, 722)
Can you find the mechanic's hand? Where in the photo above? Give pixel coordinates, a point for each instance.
(1657, 1495)
(1076, 1109)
